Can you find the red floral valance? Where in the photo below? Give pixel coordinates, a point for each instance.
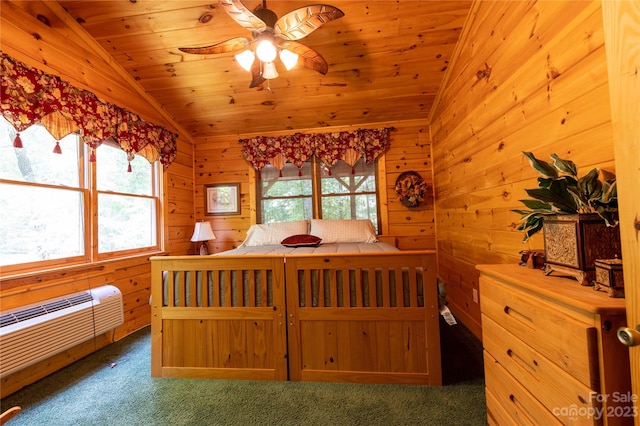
(348, 146)
(30, 95)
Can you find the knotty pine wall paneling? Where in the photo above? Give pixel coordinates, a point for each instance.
(178, 199)
(219, 160)
(63, 48)
(414, 227)
(527, 76)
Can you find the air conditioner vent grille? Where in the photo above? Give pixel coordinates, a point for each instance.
(7, 320)
(33, 333)
(47, 308)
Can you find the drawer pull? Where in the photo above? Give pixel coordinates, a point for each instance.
(516, 314)
(519, 360)
(525, 414)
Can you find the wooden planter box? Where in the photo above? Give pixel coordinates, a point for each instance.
(573, 242)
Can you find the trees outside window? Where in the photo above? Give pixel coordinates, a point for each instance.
(48, 201)
(344, 192)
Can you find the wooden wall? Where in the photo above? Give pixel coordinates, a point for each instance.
(64, 49)
(219, 160)
(526, 76)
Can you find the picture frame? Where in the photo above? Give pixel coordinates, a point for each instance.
(222, 199)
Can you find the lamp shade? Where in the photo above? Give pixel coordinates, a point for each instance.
(269, 71)
(245, 59)
(288, 58)
(202, 232)
(266, 51)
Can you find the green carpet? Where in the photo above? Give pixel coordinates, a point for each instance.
(113, 387)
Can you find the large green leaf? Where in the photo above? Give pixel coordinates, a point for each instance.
(570, 180)
(544, 168)
(537, 205)
(533, 226)
(609, 192)
(557, 195)
(589, 186)
(607, 205)
(610, 215)
(565, 166)
(544, 182)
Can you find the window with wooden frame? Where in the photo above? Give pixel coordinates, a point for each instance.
(60, 209)
(128, 203)
(315, 191)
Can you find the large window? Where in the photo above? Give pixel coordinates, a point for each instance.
(54, 212)
(126, 202)
(343, 193)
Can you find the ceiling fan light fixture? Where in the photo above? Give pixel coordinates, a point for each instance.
(269, 72)
(288, 58)
(266, 51)
(270, 35)
(245, 59)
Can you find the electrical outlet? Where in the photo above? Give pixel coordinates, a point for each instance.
(475, 295)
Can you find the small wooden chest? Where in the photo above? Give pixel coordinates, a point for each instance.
(609, 277)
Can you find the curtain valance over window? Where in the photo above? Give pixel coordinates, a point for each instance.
(348, 146)
(30, 95)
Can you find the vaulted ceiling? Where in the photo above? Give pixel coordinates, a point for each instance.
(386, 59)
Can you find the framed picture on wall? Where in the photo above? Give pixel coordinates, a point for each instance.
(222, 199)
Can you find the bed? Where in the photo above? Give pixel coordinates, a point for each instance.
(347, 308)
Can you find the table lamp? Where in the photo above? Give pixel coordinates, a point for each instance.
(203, 232)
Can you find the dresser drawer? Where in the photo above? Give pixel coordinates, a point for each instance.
(557, 390)
(550, 329)
(508, 402)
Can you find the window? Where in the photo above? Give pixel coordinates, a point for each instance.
(48, 201)
(288, 197)
(345, 193)
(126, 202)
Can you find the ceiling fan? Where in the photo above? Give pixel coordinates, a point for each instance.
(271, 36)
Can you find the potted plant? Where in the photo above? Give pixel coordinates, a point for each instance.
(578, 216)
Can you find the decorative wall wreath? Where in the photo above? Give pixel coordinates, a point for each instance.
(411, 188)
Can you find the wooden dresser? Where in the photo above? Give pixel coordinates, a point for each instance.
(551, 355)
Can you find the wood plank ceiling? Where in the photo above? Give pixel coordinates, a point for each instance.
(387, 60)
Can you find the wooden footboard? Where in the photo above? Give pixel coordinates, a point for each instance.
(363, 318)
(218, 317)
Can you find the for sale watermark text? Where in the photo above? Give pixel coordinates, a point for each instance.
(616, 404)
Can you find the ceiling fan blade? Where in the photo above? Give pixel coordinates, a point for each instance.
(242, 15)
(256, 76)
(230, 45)
(310, 58)
(301, 22)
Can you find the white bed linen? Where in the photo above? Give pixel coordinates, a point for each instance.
(377, 247)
